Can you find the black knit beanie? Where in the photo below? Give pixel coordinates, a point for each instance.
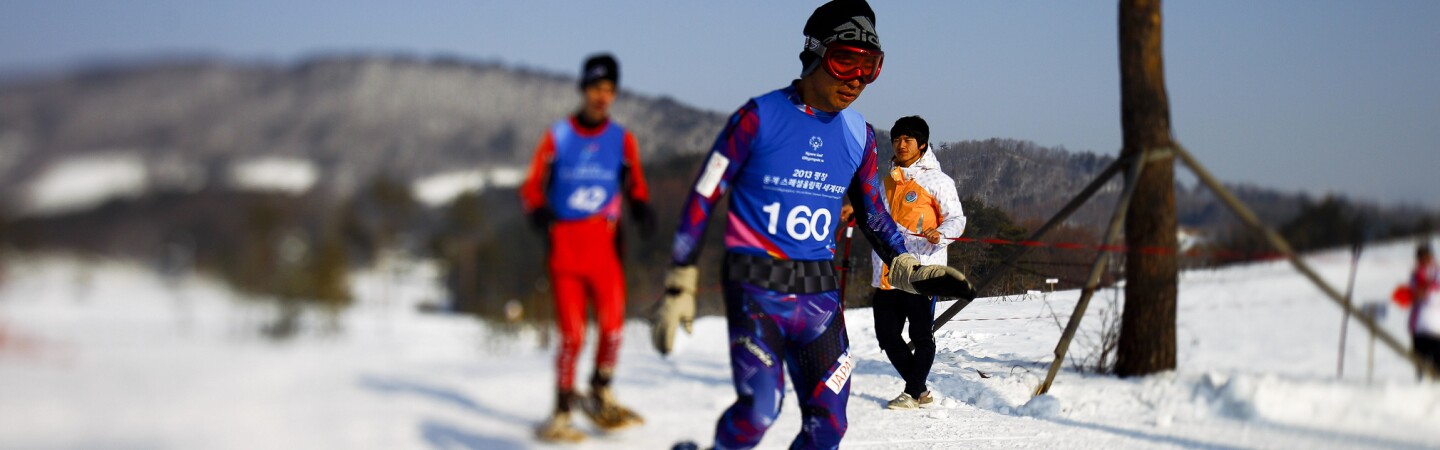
(850, 22)
(912, 126)
(600, 67)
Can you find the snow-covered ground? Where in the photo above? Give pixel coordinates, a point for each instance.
(110, 355)
(442, 188)
(274, 173)
(83, 182)
(439, 189)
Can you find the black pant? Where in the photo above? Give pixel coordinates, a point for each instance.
(892, 308)
(1428, 347)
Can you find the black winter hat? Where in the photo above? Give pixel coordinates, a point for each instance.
(600, 67)
(912, 126)
(850, 22)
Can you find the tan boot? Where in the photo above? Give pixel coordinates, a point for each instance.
(904, 401)
(925, 399)
(606, 413)
(559, 429)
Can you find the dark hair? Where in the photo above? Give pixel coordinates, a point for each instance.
(912, 126)
(1422, 251)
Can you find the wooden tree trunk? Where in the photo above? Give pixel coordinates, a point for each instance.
(1147, 330)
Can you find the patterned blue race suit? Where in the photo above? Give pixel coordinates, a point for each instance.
(788, 168)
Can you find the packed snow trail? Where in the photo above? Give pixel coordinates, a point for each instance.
(109, 355)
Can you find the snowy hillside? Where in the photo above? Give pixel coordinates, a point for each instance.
(86, 182)
(350, 117)
(108, 355)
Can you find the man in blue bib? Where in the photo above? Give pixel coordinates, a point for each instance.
(788, 158)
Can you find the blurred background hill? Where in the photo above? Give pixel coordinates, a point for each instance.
(281, 178)
(348, 117)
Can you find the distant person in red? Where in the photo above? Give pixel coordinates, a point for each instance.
(1424, 314)
(583, 166)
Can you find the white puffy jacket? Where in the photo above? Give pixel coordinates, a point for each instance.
(940, 188)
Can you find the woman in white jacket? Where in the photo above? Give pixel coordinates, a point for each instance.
(922, 199)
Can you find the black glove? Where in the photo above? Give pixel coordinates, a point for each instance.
(644, 217)
(541, 218)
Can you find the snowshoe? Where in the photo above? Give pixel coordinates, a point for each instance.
(559, 429)
(606, 413)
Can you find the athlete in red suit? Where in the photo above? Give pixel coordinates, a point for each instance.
(585, 164)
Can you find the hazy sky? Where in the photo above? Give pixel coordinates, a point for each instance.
(1313, 95)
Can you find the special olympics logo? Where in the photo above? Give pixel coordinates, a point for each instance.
(815, 142)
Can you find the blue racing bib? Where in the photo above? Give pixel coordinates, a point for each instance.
(785, 202)
(585, 172)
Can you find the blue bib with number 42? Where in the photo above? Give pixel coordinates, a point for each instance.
(585, 172)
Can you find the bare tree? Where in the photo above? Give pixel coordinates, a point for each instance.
(1147, 331)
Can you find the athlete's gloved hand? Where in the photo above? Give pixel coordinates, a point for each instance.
(677, 308)
(907, 274)
(644, 217)
(541, 218)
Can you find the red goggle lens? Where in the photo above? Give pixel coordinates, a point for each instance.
(848, 63)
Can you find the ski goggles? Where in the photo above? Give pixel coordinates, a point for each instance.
(847, 63)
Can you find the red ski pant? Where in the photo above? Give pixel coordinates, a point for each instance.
(584, 265)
